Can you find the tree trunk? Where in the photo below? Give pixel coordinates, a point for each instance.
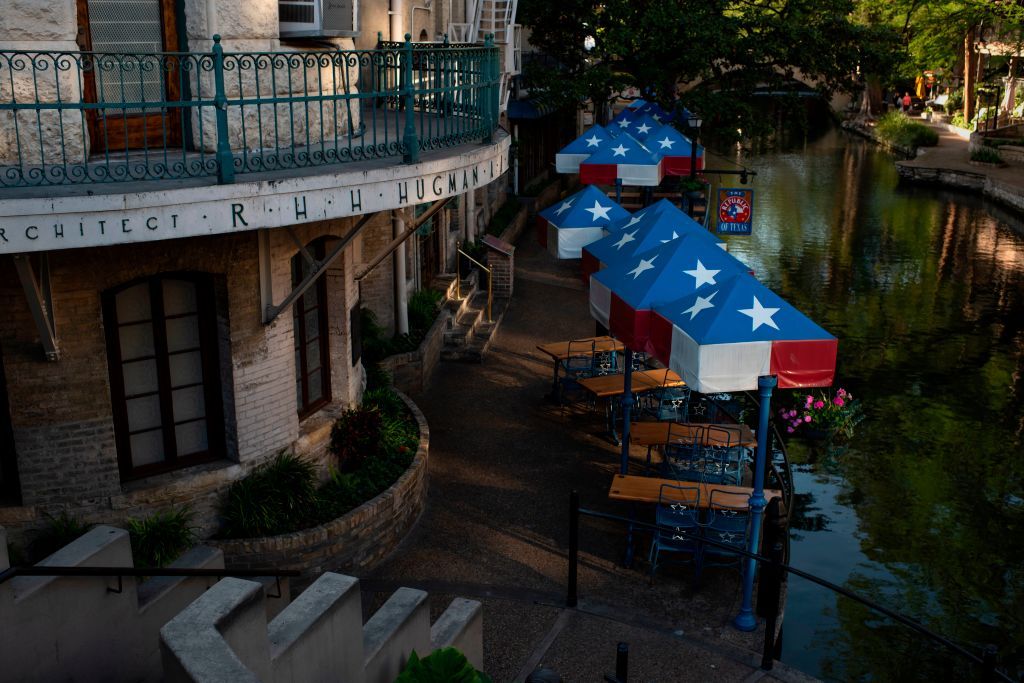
(970, 75)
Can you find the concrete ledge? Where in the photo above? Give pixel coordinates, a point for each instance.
(461, 626)
(997, 190)
(401, 625)
(412, 371)
(355, 542)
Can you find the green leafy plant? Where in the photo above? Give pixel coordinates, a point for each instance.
(986, 155)
(355, 437)
(836, 416)
(277, 497)
(504, 216)
(57, 533)
(898, 129)
(423, 308)
(446, 665)
(958, 120)
(157, 540)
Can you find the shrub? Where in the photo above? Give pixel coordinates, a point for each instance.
(898, 129)
(58, 532)
(504, 216)
(277, 497)
(355, 437)
(159, 539)
(446, 665)
(958, 120)
(986, 155)
(423, 308)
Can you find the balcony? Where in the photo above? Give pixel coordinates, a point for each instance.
(73, 119)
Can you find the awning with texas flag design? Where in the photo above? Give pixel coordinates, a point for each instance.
(569, 157)
(623, 295)
(674, 148)
(646, 229)
(639, 127)
(724, 336)
(626, 160)
(578, 220)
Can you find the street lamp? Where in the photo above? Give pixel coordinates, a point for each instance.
(693, 123)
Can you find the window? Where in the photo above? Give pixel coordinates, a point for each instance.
(163, 355)
(312, 355)
(10, 491)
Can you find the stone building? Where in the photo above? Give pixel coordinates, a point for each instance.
(196, 199)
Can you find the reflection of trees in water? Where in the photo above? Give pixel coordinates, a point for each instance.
(806, 516)
(926, 293)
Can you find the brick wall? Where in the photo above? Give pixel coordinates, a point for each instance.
(411, 372)
(61, 411)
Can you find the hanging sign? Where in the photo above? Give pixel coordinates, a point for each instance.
(735, 211)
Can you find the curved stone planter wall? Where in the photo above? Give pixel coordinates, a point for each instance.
(356, 541)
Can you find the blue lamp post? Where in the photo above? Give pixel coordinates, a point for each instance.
(745, 620)
(694, 124)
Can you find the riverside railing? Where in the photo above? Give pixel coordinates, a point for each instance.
(70, 118)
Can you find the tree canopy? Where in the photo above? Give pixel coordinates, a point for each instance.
(712, 53)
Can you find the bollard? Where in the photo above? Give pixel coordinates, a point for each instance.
(988, 663)
(622, 662)
(574, 546)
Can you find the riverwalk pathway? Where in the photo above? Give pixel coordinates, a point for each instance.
(502, 464)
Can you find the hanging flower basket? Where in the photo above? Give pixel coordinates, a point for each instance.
(823, 417)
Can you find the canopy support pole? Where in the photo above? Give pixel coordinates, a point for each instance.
(627, 402)
(745, 620)
(618, 190)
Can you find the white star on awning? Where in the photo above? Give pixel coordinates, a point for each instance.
(643, 129)
(598, 212)
(564, 207)
(593, 141)
(666, 142)
(624, 123)
(620, 151)
(675, 236)
(702, 275)
(759, 315)
(643, 266)
(626, 238)
(702, 303)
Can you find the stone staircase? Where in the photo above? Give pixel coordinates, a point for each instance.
(469, 332)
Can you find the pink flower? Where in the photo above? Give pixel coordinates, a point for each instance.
(841, 392)
(807, 418)
(838, 400)
(792, 413)
(790, 430)
(810, 400)
(819, 404)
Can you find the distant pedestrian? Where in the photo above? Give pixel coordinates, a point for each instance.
(906, 101)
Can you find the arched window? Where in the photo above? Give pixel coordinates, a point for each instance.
(312, 352)
(162, 353)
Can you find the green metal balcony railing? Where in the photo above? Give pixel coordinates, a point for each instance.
(72, 118)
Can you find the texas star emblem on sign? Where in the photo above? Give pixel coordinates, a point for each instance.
(735, 211)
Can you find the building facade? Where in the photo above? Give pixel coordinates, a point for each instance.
(196, 199)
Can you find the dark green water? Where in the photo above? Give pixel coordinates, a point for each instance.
(924, 510)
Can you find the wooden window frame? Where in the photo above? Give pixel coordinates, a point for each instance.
(305, 407)
(210, 357)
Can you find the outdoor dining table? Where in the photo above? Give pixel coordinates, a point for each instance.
(661, 433)
(635, 489)
(559, 351)
(611, 386)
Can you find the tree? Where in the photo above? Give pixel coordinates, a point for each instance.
(710, 54)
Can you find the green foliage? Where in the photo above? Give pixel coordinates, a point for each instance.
(955, 101)
(837, 415)
(715, 53)
(958, 120)
(898, 129)
(986, 155)
(277, 497)
(158, 540)
(58, 532)
(423, 308)
(446, 665)
(355, 437)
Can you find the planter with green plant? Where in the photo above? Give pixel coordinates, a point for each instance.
(897, 129)
(446, 665)
(825, 417)
(160, 538)
(986, 156)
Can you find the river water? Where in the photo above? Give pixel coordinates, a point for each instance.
(923, 511)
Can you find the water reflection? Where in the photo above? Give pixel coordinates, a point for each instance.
(925, 290)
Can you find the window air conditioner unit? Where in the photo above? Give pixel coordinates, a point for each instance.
(318, 18)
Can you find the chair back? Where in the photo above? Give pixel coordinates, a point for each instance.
(722, 456)
(673, 403)
(727, 524)
(679, 509)
(682, 452)
(579, 360)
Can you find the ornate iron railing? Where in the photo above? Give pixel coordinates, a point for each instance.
(70, 118)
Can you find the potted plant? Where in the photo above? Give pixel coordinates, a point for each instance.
(927, 114)
(824, 417)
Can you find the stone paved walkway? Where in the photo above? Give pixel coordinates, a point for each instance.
(952, 154)
(502, 465)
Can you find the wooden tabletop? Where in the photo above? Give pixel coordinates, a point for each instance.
(648, 490)
(604, 386)
(660, 433)
(560, 350)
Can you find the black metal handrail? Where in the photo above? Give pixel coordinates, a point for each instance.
(776, 571)
(120, 572)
